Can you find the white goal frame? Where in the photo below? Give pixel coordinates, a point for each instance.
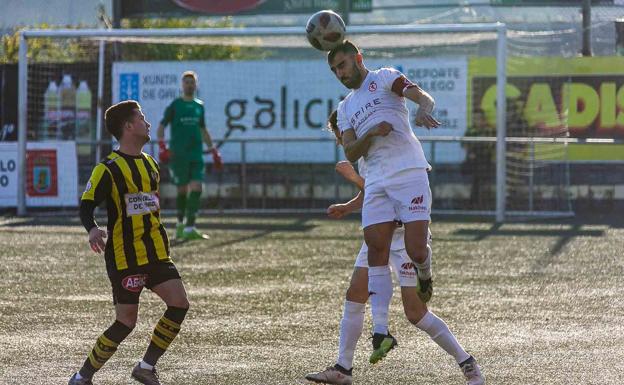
(501, 75)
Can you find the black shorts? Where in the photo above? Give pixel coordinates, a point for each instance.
(129, 283)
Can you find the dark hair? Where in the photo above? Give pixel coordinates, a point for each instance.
(346, 47)
(332, 121)
(118, 114)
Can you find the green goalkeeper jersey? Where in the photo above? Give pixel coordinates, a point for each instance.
(186, 119)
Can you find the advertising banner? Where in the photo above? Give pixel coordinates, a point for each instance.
(284, 100)
(51, 174)
(582, 97)
(177, 8)
(8, 102)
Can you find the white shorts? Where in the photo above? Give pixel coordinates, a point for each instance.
(400, 263)
(405, 196)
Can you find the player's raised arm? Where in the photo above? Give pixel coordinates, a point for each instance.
(426, 103)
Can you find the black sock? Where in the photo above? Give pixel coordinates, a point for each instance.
(104, 348)
(469, 360)
(164, 333)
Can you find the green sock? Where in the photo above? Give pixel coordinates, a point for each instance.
(192, 207)
(181, 206)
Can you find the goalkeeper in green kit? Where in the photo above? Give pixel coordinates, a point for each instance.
(184, 155)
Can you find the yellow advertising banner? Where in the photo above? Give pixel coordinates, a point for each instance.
(583, 96)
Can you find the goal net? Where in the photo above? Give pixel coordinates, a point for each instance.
(267, 95)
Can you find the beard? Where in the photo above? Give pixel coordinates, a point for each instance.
(355, 79)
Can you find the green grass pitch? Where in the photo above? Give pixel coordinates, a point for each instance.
(535, 303)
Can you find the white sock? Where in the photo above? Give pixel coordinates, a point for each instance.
(145, 365)
(380, 292)
(441, 335)
(188, 229)
(424, 269)
(351, 326)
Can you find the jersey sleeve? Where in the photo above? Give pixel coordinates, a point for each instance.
(152, 162)
(202, 118)
(168, 116)
(394, 81)
(343, 119)
(361, 163)
(99, 186)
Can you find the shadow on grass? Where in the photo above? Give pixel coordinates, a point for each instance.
(613, 219)
(263, 229)
(564, 235)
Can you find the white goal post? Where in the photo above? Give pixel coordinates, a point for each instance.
(499, 29)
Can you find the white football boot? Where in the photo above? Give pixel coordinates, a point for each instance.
(331, 375)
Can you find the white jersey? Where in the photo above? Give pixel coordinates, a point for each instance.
(398, 238)
(379, 99)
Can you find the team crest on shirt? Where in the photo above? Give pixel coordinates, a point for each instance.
(372, 87)
(88, 186)
(155, 176)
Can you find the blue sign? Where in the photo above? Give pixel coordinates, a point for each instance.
(129, 86)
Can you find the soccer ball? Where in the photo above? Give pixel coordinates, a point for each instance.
(325, 30)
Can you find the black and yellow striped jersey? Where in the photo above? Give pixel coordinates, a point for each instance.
(129, 185)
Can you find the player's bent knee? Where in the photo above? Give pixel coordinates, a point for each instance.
(181, 302)
(357, 294)
(417, 253)
(414, 315)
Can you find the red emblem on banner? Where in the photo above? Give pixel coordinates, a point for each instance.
(218, 6)
(42, 176)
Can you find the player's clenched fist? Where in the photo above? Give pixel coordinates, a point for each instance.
(337, 211)
(423, 115)
(96, 239)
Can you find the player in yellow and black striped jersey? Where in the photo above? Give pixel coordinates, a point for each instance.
(137, 248)
(129, 185)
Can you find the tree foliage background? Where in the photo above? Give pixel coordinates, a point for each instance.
(50, 50)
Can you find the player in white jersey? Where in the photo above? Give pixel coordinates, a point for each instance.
(416, 311)
(374, 122)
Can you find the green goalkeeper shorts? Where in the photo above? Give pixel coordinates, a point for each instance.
(186, 170)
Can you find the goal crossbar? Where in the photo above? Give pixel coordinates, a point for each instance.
(501, 75)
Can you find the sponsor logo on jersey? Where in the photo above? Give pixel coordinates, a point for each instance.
(417, 205)
(141, 203)
(364, 112)
(88, 186)
(134, 283)
(372, 87)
